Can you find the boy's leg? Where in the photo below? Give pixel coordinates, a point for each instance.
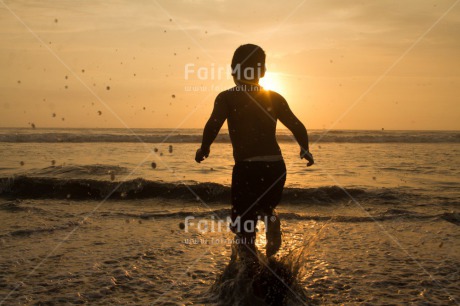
(256, 191)
(243, 221)
(277, 178)
(273, 232)
(245, 239)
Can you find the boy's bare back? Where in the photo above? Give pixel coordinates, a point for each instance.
(252, 115)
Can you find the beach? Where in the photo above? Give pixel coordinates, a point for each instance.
(140, 257)
(135, 134)
(102, 226)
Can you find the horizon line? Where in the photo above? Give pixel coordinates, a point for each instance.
(189, 128)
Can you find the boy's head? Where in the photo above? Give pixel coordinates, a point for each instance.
(248, 63)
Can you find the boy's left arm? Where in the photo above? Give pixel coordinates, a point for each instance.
(212, 127)
(287, 117)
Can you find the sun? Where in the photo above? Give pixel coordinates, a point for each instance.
(272, 81)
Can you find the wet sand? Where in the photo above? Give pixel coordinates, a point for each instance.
(50, 254)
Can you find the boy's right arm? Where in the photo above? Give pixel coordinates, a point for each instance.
(287, 117)
(212, 128)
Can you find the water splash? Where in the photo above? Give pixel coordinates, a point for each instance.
(266, 281)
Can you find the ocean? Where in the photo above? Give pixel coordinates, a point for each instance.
(92, 216)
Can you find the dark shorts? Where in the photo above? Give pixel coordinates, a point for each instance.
(256, 189)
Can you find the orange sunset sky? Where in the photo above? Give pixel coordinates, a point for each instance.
(340, 64)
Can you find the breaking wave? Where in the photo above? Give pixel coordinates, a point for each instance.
(194, 136)
(82, 189)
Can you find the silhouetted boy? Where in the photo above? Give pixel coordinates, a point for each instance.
(259, 172)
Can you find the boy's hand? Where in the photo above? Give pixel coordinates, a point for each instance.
(201, 155)
(308, 156)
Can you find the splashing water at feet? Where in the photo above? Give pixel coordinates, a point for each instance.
(250, 278)
(265, 281)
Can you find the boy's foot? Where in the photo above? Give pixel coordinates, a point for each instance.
(245, 248)
(273, 235)
(248, 257)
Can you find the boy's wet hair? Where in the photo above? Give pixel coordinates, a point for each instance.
(248, 56)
